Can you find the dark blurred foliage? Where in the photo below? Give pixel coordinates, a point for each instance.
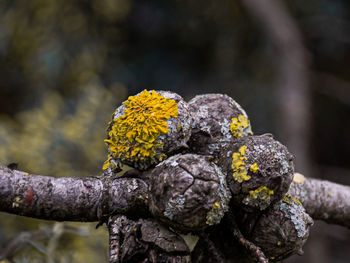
(65, 65)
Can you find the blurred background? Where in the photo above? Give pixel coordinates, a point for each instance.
(66, 65)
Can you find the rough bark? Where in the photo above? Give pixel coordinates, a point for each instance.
(69, 199)
(323, 200)
(134, 240)
(144, 240)
(86, 199)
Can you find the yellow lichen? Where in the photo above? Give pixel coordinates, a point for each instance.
(260, 198)
(106, 164)
(288, 199)
(217, 205)
(254, 167)
(238, 125)
(133, 136)
(215, 214)
(239, 166)
(263, 193)
(16, 202)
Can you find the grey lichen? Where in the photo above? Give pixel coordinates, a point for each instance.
(189, 195)
(174, 206)
(213, 115)
(218, 209)
(132, 186)
(296, 213)
(282, 230)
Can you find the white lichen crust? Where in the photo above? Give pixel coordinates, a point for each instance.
(188, 192)
(212, 128)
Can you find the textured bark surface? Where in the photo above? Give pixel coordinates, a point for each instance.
(283, 230)
(212, 115)
(273, 175)
(69, 199)
(145, 240)
(323, 200)
(188, 192)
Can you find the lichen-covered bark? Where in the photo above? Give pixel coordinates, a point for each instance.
(259, 171)
(188, 192)
(144, 240)
(90, 198)
(69, 199)
(213, 115)
(323, 200)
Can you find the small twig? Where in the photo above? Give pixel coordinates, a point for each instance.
(255, 250)
(21, 240)
(57, 231)
(114, 240)
(32, 237)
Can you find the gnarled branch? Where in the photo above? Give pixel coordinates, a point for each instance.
(323, 200)
(69, 199)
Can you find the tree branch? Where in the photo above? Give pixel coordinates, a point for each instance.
(323, 200)
(69, 199)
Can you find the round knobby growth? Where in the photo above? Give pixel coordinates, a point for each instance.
(217, 119)
(283, 230)
(146, 129)
(188, 192)
(259, 171)
(146, 240)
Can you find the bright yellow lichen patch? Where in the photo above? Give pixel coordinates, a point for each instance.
(217, 205)
(254, 167)
(107, 163)
(133, 136)
(263, 193)
(238, 125)
(288, 199)
(239, 166)
(16, 202)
